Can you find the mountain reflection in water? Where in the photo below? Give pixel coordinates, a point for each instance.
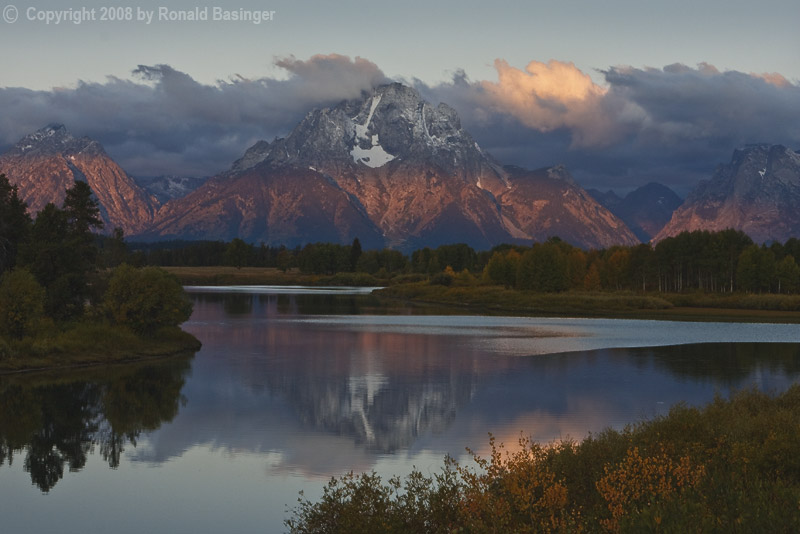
(358, 379)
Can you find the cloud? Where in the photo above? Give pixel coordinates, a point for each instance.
(672, 124)
(680, 104)
(165, 122)
(553, 95)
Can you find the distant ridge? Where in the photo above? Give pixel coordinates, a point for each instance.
(45, 163)
(758, 192)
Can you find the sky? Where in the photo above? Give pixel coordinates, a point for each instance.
(621, 92)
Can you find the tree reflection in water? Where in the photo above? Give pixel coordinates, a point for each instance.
(58, 420)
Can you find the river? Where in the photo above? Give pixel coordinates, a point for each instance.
(295, 385)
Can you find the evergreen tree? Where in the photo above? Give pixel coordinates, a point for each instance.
(62, 252)
(114, 249)
(355, 254)
(237, 254)
(15, 223)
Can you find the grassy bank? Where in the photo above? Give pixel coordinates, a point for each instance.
(733, 466)
(228, 276)
(85, 344)
(496, 299)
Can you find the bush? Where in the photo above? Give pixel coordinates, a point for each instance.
(145, 299)
(730, 467)
(21, 304)
(442, 279)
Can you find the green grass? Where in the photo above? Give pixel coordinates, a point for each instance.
(226, 276)
(498, 298)
(90, 343)
(619, 304)
(740, 301)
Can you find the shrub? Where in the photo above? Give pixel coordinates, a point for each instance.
(730, 467)
(442, 279)
(21, 303)
(145, 299)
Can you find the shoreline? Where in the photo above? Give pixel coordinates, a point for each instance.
(86, 365)
(489, 300)
(494, 300)
(171, 344)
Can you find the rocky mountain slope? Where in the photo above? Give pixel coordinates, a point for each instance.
(645, 210)
(167, 187)
(547, 202)
(288, 206)
(45, 163)
(392, 167)
(758, 192)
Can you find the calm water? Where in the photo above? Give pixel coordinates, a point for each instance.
(293, 386)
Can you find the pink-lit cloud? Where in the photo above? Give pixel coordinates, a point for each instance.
(552, 95)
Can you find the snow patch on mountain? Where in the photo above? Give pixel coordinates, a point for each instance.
(374, 155)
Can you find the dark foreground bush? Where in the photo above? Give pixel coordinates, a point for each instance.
(733, 466)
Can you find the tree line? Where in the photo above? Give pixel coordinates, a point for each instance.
(54, 271)
(719, 262)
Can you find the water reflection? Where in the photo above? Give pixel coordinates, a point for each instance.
(360, 379)
(56, 421)
(290, 388)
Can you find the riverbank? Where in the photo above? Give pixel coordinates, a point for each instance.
(691, 307)
(487, 299)
(266, 276)
(89, 344)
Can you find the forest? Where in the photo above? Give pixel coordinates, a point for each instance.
(716, 262)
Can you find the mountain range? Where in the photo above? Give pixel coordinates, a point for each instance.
(645, 210)
(397, 171)
(390, 169)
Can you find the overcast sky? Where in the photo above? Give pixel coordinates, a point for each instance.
(622, 92)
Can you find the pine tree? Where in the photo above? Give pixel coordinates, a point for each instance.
(15, 223)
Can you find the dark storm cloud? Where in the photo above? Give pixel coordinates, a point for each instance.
(165, 122)
(673, 124)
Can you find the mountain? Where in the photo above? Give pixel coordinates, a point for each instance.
(547, 202)
(645, 210)
(47, 162)
(167, 187)
(758, 192)
(391, 167)
(289, 206)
